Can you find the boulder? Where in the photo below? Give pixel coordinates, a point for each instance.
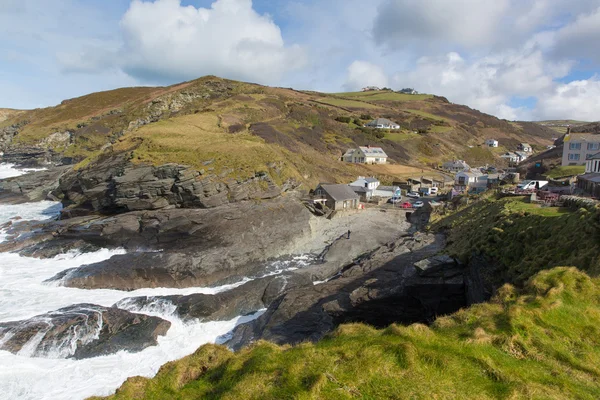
(81, 331)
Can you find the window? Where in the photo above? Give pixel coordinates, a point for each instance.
(574, 157)
(574, 146)
(593, 146)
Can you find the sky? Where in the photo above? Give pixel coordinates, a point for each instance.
(516, 59)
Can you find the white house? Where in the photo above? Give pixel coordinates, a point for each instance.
(491, 143)
(365, 186)
(455, 166)
(470, 180)
(592, 164)
(370, 89)
(578, 147)
(525, 147)
(382, 123)
(366, 155)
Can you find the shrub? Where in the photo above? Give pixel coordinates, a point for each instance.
(345, 120)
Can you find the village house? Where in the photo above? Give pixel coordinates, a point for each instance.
(455, 166)
(387, 192)
(590, 181)
(577, 148)
(382, 123)
(513, 157)
(337, 196)
(525, 147)
(365, 155)
(491, 143)
(364, 187)
(370, 89)
(472, 180)
(521, 156)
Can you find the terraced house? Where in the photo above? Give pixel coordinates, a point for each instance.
(578, 147)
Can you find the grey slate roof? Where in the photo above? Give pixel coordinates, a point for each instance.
(593, 177)
(381, 121)
(373, 151)
(593, 157)
(371, 180)
(340, 192)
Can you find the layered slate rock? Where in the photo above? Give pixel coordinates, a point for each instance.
(114, 185)
(81, 331)
(242, 300)
(37, 186)
(395, 284)
(183, 247)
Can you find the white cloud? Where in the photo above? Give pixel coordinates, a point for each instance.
(580, 39)
(363, 73)
(465, 22)
(574, 100)
(165, 41)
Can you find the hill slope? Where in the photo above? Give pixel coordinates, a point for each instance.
(540, 343)
(249, 128)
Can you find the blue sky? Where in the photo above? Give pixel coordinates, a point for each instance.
(517, 59)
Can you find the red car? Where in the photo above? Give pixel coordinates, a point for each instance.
(406, 205)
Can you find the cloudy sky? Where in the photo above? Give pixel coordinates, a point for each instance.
(517, 59)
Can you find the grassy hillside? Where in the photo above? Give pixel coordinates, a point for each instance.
(250, 128)
(541, 342)
(521, 239)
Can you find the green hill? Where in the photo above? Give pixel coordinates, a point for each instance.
(248, 128)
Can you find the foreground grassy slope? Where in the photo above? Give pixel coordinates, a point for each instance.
(521, 239)
(542, 342)
(307, 132)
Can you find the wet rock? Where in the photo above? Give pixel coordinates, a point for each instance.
(381, 289)
(81, 331)
(34, 186)
(245, 299)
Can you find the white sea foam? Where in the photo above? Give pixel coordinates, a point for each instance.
(9, 170)
(23, 295)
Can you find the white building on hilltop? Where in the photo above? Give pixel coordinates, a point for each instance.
(382, 123)
(491, 143)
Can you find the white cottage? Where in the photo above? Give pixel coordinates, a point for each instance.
(491, 143)
(382, 123)
(366, 155)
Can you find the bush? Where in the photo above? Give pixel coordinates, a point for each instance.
(366, 117)
(345, 120)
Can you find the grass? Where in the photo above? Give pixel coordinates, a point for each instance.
(426, 115)
(542, 342)
(396, 136)
(346, 103)
(571, 170)
(521, 239)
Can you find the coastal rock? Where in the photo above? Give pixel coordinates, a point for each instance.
(186, 248)
(81, 331)
(36, 186)
(383, 288)
(247, 298)
(114, 185)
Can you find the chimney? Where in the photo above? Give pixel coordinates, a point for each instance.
(568, 130)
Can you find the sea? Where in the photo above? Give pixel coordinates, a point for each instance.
(24, 294)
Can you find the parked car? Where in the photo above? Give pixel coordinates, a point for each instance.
(434, 191)
(395, 200)
(413, 195)
(406, 204)
(418, 204)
